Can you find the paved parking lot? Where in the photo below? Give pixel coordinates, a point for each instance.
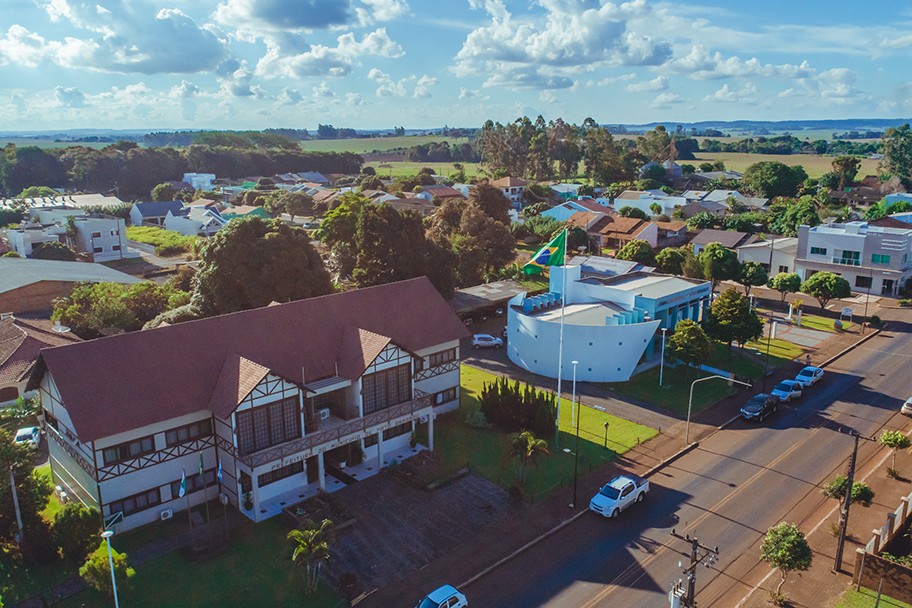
(400, 529)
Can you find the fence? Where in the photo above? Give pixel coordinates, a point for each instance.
(871, 570)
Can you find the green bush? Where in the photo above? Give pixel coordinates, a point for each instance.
(97, 573)
(514, 408)
(905, 303)
(861, 492)
(76, 529)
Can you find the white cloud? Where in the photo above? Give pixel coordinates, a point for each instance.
(354, 99)
(659, 83)
(388, 87)
(184, 90)
(663, 101)
(321, 60)
(284, 15)
(747, 94)
(423, 86)
(69, 97)
(535, 51)
(703, 64)
(21, 47)
(323, 90)
(465, 93)
(290, 96)
(386, 10)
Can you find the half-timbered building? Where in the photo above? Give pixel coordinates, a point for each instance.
(284, 400)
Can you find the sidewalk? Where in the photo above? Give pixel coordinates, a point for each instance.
(496, 542)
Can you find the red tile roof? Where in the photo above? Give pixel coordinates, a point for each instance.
(158, 374)
(624, 225)
(509, 182)
(20, 342)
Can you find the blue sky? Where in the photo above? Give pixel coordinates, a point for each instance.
(251, 64)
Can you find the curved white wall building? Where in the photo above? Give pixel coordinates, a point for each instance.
(603, 330)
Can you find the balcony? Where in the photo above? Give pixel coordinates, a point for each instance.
(847, 261)
(337, 432)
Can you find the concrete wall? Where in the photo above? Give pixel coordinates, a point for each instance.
(897, 579)
(36, 297)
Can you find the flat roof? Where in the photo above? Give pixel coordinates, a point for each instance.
(653, 286)
(19, 272)
(489, 294)
(593, 314)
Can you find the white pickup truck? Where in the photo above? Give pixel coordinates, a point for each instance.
(618, 494)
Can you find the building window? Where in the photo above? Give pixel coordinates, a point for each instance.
(419, 364)
(128, 450)
(396, 431)
(445, 396)
(268, 425)
(863, 282)
(97, 249)
(96, 235)
(783, 269)
(818, 250)
(246, 482)
(137, 502)
(849, 258)
(203, 428)
(445, 356)
(879, 258)
(281, 473)
(194, 483)
(115, 247)
(370, 440)
(386, 388)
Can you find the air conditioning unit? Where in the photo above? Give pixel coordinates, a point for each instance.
(323, 413)
(165, 514)
(423, 419)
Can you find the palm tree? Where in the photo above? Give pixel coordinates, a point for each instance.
(526, 448)
(310, 548)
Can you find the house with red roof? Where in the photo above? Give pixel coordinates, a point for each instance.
(513, 188)
(260, 408)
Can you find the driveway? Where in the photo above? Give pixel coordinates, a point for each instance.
(400, 529)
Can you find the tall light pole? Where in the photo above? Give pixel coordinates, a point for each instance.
(844, 513)
(690, 400)
(107, 534)
(662, 361)
(576, 450)
(867, 299)
(20, 535)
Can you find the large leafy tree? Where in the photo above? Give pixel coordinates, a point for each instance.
(719, 263)
(786, 549)
(32, 491)
(786, 215)
(628, 211)
(492, 201)
(309, 549)
(163, 192)
(96, 571)
(896, 144)
(752, 274)
(826, 286)
(785, 283)
(637, 251)
(845, 168)
(772, 178)
(731, 319)
(252, 262)
(689, 343)
(76, 530)
(95, 309)
(670, 259)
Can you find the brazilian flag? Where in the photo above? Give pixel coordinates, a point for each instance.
(551, 254)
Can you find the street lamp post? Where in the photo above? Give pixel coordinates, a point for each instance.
(769, 338)
(606, 434)
(107, 534)
(867, 299)
(576, 449)
(690, 400)
(662, 361)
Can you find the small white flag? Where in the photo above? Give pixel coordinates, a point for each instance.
(183, 488)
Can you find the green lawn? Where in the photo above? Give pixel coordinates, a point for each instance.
(821, 323)
(674, 394)
(54, 505)
(19, 581)
(781, 351)
(166, 242)
(253, 572)
(484, 449)
(363, 145)
(866, 598)
(404, 168)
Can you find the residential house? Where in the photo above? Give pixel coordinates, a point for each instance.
(200, 181)
(417, 204)
(691, 209)
(285, 401)
(670, 234)
(153, 213)
(730, 239)
(196, 220)
(513, 188)
(240, 211)
(726, 198)
(644, 201)
(871, 258)
(441, 193)
(325, 198)
(20, 342)
(781, 250)
(616, 231)
(562, 212)
(98, 237)
(30, 286)
(566, 191)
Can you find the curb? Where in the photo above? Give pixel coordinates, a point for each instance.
(729, 421)
(564, 523)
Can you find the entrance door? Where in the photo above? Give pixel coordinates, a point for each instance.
(887, 287)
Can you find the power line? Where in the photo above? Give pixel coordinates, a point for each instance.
(684, 591)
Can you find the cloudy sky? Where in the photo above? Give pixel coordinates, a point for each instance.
(239, 64)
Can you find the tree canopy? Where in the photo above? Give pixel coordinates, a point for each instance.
(731, 319)
(689, 343)
(897, 153)
(53, 250)
(752, 274)
(826, 286)
(786, 215)
(252, 262)
(719, 263)
(785, 283)
(771, 178)
(628, 211)
(637, 251)
(786, 549)
(670, 259)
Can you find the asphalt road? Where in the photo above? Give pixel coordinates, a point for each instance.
(738, 483)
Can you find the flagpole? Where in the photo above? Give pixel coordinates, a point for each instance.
(206, 498)
(560, 344)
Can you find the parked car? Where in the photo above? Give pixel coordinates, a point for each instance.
(618, 494)
(486, 341)
(906, 407)
(788, 390)
(809, 376)
(759, 407)
(30, 435)
(444, 597)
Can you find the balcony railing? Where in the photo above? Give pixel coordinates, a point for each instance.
(351, 429)
(77, 455)
(847, 261)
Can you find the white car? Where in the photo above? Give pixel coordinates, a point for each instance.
(30, 435)
(906, 407)
(486, 341)
(809, 376)
(444, 597)
(787, 390)
(618, 494)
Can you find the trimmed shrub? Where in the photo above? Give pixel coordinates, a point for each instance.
(514, 408)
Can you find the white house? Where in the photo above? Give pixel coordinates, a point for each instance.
(513, 188)
(871, 258)
(644, 200)
(783, 250)
(153, 213)
(200, 181)
(99, 237)
(288, 399)
(196, 220)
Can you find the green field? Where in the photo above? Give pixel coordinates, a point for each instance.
(814, 165)
(43, 142)
(406, 169)
(376, 144)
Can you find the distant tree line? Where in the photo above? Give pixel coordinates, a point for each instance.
(129, 171)
(789, 144)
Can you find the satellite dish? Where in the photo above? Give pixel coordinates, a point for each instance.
(60, 329)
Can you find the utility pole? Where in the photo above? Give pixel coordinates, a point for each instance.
(686, 595)
(20, 537)
(844, 514)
